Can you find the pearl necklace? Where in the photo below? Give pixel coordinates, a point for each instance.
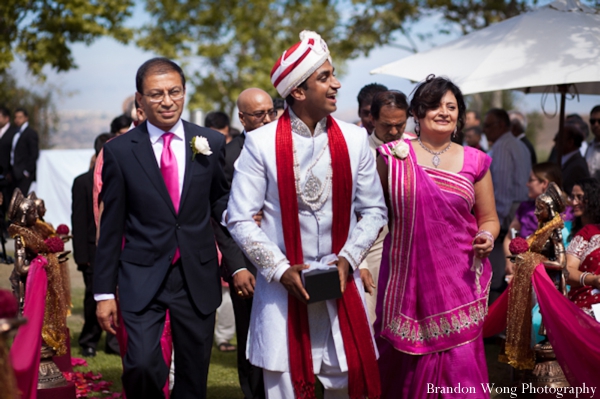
(312, 194)
(436, 155)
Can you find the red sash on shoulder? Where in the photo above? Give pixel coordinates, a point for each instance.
(363, 371)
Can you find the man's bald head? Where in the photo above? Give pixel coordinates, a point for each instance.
(255, 108)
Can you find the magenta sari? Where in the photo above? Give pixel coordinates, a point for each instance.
(433, 293)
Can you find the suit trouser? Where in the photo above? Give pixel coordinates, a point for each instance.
(91, 331)
(145, 372)
(251, 377)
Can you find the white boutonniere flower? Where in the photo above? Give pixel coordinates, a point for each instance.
(200, 145)
(401, 150)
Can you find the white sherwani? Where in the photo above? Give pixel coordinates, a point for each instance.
(254, 188)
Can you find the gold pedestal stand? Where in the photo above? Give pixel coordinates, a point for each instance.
(546, 372)
(49, 374)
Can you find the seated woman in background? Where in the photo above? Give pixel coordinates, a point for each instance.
(525, 221)
(583, 253)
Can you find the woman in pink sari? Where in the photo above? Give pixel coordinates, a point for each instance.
(435, 274)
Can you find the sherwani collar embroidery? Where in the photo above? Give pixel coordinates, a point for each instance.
(299, 127)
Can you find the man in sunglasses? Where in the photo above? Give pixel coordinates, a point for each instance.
(592, 156)
(256, 109)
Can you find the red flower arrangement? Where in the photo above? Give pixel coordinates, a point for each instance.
(55, 244)
(62, 230)
(518, 245)
(8, 305)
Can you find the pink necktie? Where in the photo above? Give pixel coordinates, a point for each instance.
(169, 170)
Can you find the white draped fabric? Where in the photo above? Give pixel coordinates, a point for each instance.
(56, 170)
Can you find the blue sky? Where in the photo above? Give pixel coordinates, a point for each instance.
(106, 75)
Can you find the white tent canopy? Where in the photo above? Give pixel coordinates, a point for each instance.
(534, 52)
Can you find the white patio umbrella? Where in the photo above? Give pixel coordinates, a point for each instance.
(555, 47)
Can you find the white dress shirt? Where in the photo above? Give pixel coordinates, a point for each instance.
(15, 141)
(4, 129)
(592, 157)
(178, 148)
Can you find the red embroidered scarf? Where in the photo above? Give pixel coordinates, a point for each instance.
(363, 372)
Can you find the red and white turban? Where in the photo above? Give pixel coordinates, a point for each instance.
(299, 62)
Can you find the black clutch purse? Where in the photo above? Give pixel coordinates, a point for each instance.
(322, 285)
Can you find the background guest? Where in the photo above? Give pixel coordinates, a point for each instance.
(518, 126)
(577, 120)
(219, 121)
(472, 119)
(84, 253)
(278, 105)
(24, 153)
(525, 221)
(255, 109)
(473, 137)
(7, 130)
(573, 165)
(388, 114)
(583, 253)
(511, 164)
(592, 155)
(364, 98)
(121, 124)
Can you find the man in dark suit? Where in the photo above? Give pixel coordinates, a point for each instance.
(256, 109)
(6, 134)
(573, 165)
(518, 126)
(156, 241)
(7, 131)
(84, 253)
(24, 153)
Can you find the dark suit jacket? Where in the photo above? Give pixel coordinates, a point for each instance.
(138, 209)
(233, 149)
(529, 146)
(232, 256)
(27, 152)
(5, 147)
(574, 169)
(82, 221)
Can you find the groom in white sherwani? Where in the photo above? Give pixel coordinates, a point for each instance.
(311, 175)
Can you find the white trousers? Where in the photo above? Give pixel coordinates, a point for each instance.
(372, 262)
(278, 385)
(225, 326)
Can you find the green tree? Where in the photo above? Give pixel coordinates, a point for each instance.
(40, 106)
(41, 31)
(237, 42)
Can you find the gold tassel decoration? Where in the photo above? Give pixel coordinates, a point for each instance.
(55, 315)
(518, 330)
